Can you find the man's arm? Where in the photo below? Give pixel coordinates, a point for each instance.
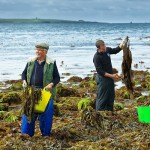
(24, 76)
(24, 73)
(112, 76)
(98, 65)
(113, 50)
(56, 78)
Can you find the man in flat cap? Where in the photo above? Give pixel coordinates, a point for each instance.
(40, 71)
(105, 77)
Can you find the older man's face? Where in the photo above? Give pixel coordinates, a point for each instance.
(40, 53)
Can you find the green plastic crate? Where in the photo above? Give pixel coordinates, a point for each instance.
(144, 114)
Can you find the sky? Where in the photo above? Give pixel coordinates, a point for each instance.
(112, 11)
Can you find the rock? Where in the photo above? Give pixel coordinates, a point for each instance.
(1, 95)
(63, 91)
(75, 79)
(126, 95)
(13, 81)
(147, 37)
(16, 86)
(11, 97)
(87, 79)
(89, 84)
(66, 74)
(3, 106)
(56, 109)
(8, 116)
(118, 39)
(118, 106)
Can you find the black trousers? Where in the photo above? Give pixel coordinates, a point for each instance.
(105, 93)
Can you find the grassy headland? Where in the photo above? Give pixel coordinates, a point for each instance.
(37, 20)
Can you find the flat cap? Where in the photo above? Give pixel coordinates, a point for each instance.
(42, 45)
(99, 42)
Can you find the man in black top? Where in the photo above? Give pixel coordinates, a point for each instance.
(105, 77)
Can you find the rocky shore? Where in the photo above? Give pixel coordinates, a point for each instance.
(76, 124)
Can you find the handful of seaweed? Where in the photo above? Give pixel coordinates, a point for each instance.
(30, 97)
(126, 66)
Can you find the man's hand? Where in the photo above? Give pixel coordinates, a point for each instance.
(24, 84)
(116, 77)
(124, 41)
(49, 86)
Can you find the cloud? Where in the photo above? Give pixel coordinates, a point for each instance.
(94, 10)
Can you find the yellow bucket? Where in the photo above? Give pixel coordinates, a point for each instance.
(42, 103)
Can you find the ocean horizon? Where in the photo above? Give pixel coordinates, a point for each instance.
(48, 20)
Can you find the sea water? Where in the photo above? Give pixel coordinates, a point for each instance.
(72, 45)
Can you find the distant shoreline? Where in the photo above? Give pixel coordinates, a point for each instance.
(37, 20)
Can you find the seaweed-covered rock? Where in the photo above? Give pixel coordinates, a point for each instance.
(13, 81)
(88, 84)
(66, 74)
(16, 86)
(66, 133)
(122, 93)
(75, 79)
(143, 100)
(64, 91)
(3, 106)
(57, 109)
(146, 85)
(87, 79)
(141, 73)
(8, 116)
(10, 97)
(142, 97)
(126, 95)
(69, 103)
(118, 106)
(1, 95)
